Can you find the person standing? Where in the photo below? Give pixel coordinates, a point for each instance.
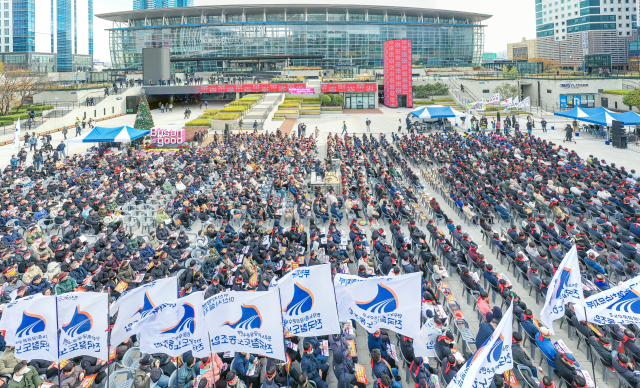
(399, 125)
(37, 159)
(61, 148)
(575, 126)
(84, 123)
(255, 125)
(368, 122)
(529, 127)
(543, 123)
(64, 132)
(344, 127)
(78, 129)
(33, 141)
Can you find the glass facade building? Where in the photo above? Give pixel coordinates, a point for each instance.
(24, 25)
(212, 38)
(152, 4)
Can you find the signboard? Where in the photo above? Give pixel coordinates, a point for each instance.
(574, 85)
(303, 90)
(585, 43)
(349, 88)
(162, 137)
(250, 88)
(576, 100)
(563, 101)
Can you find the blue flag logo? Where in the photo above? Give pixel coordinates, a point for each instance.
(250, 319)
(564, 279)
(187, 322)
(147, 306)
(81, 322)
(31, 324)
(630, 303)
(385, 301)
(301, 302)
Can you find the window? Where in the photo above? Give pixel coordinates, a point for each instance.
(486, 90)
(397, 18)
(275, 17)
(380, 18)
(6, 31)
(292, 17)
(259, 17)
(337, 17)
(318, 17)
(6, 14)
(6, 40)
(213, 19)
(6, 23)
(234, 18)
(356, 17)
(6, 49)
(549, 91)
(6, 5)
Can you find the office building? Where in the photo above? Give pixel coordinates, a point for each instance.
(213, 38)
(522, 50)
(568, 30)
(63, 27)
(152, 4)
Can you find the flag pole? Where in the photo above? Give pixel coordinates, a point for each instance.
(55, 289)
(284, 332)
(344, 367)
(593, 364)
(109, 334)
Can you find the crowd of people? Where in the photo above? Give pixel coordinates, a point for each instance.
(79, 225)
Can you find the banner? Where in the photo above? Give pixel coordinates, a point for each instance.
(494, 356)
(507, 102)
(424, 341)
(83, 321)
(525, 103)
(175, 327)
(16, 135)
(565, 287)
(309, 306)
(494, 100)
(247, 322)
(134, 305)
(30, 325)
(620, 304)
(390, 302)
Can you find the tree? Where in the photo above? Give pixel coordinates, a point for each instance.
(338, 99)
(143, 118)
(326, 99)
(507, 91)
(632, 99)
(18, 86)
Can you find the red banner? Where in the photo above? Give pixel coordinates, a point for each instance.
(250, 88)
(397, 72)
(349, 88)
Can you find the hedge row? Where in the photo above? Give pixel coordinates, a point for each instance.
(199, 122)
(14, 117)
(242, 103)
(422, 102)
(226, 116)
(211, 112)
(442, 99)
(240, 108)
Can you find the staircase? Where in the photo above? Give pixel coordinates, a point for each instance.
(314, 84)
(261, 110)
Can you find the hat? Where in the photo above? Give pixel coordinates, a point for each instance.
(146, 360)
(545, 331)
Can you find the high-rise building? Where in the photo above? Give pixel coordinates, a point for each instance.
(64, 27)
(569, 30)
(151, 4)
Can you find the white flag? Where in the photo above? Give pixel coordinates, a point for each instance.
(494, 100)
(30, 325)
(565, 287)
(620, 304)
(134, 305)
(16, 135)
(526, 101)
(390, 302)
(494, 356)
(424, 341)
(175, 327)
(248, 322)
(309, 306)
(83, 321)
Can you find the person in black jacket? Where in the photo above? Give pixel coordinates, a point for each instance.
(450, 367)
(469, 281)
(625, 368)
(443, 345)
(566, 366)
(520, 356)
(91, 366)
(406, 347)
(581, 326)
(602, 345)
(44, 367)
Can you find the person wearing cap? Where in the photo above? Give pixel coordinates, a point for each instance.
(269, 377)
(543, 340)
(375, 342)
(566, 365)
(31, 272)
(602, 345)
(148, 373)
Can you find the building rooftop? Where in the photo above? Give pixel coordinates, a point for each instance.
(208, 10)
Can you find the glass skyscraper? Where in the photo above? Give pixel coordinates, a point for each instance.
(209, 38)
(24, 21)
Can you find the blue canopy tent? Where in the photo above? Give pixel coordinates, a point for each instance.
(606, 118)
(110, 135)
(436, 112)
(579, 113)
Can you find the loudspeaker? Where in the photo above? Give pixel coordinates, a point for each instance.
(617, 130)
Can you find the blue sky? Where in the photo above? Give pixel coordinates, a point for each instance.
(511, 21)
